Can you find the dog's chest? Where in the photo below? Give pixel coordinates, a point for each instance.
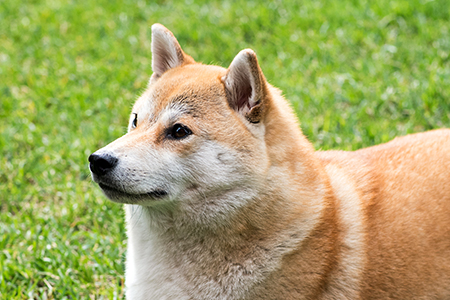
(194, 268)
(157, 270)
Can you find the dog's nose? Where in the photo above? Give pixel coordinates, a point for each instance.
(100, 164)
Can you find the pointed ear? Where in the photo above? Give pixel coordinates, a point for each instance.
(246, 86)
(166, 52)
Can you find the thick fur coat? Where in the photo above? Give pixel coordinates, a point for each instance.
(226, 199)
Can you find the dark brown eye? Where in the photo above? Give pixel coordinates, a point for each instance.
(179, 131)
(134, 123)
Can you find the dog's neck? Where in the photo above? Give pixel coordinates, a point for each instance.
(224, 257)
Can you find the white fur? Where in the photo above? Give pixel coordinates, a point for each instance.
(353, 257)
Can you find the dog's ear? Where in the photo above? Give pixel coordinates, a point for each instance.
(166, 52)
(245, 86)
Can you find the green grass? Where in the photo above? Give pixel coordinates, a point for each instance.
(358, 73)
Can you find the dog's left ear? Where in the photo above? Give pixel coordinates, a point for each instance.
(245, 86)
(166, 52)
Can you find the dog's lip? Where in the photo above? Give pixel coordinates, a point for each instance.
(153, 194)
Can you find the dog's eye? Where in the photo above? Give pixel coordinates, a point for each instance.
(134, 123)
(179, 131)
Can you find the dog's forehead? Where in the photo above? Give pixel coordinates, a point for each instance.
(192, 88)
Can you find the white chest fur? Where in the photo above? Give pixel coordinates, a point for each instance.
(164, 265)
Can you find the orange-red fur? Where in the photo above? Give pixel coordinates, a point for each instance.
(369, 224)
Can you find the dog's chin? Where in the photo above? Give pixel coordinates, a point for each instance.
(120, 196)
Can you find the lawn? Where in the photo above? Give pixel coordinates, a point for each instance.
(358, 73)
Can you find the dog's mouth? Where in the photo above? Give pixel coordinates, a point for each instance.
(115, 194)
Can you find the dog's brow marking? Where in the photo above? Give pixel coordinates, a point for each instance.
(174, 110)
(180, 99)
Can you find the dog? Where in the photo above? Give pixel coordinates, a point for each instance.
(225, 198)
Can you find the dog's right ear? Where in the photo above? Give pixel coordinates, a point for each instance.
(166, 52)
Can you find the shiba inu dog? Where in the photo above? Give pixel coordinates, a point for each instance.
(226, 199)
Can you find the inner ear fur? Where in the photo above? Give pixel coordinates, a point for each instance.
(245, 86)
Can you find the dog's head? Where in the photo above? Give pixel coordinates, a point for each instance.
(196, 135)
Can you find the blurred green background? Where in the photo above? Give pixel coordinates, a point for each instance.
(357, 73)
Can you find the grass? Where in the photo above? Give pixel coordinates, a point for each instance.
(357, 73)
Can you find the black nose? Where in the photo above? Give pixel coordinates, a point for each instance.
(100, 164)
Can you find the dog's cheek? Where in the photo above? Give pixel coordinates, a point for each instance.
(214, 165)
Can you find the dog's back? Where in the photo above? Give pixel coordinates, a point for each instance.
(404, 187)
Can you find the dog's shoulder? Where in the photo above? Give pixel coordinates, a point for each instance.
(350, 170)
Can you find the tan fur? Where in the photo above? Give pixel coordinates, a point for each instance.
(369, 224)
